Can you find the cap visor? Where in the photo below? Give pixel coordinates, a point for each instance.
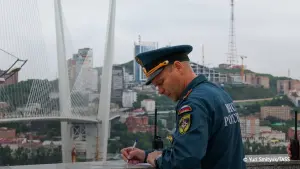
(153, 75)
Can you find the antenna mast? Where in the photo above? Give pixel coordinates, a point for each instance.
(202, 54)
(232, 51)
(140, 40)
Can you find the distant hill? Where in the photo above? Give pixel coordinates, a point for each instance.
(248, 92)
(273, 79)
(235, 70)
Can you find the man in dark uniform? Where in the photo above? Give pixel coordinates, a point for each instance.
(208, 134)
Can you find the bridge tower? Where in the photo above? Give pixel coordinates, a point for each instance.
(63, 83)
(105, 95)
(96, 135)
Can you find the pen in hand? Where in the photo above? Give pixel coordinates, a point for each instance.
(134, 144)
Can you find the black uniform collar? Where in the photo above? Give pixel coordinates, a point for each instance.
(197, 80)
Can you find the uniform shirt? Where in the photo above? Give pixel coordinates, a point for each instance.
(208, 134)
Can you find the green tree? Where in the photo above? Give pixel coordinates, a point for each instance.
(5, 156)
(248, 92)
(17, 95)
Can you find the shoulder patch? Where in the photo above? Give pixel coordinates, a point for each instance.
(185, 123)
(185, 108)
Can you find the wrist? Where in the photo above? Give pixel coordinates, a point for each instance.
(146, 155)
(156, 161)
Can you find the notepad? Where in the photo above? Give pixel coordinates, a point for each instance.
(143, 164)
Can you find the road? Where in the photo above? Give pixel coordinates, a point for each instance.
(252, 100)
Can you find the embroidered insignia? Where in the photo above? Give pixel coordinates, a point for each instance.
(185, 108)
(187, 94)
(184, 123)
(170, 138)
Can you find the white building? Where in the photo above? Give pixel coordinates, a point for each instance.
(148, 104)
(128, 98)
(211, 74)
(294, 96)
(236, 79)
(85, 78)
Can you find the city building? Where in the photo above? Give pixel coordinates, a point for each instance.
(211, 74)
(82, 76)
(284, 86)
(263, 81)
(253, 79)
(140, 47)
(235, 78)
(117, 85)
(294, 97)
(6, 133)
(128, 79)
(11, 80)
(249, 126)
(139, 124)
(128, 98)
(280, 112)
(148, 104)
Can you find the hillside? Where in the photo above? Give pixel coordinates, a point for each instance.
(248, 92)
(273, 79)
(236, 70)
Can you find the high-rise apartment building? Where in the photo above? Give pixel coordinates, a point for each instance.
(140, 47)
(81, 73)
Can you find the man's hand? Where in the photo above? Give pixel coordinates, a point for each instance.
(133, 155)
(152, 156)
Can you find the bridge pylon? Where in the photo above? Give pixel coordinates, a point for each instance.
(63, 83)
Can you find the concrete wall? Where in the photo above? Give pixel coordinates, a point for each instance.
(274, 165)
(117, 165)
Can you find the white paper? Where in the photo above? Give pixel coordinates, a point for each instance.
(143, 164)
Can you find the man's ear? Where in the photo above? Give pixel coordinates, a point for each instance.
(178, 66)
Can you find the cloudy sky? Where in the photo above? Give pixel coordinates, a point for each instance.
(267, 31)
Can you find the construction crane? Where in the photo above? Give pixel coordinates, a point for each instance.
(242, 67)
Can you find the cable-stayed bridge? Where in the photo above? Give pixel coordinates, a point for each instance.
(55, 115)
(75, 100)
(83, 110)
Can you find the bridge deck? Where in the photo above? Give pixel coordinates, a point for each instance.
(16, 117)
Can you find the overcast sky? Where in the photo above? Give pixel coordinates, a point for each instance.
(267, 31)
